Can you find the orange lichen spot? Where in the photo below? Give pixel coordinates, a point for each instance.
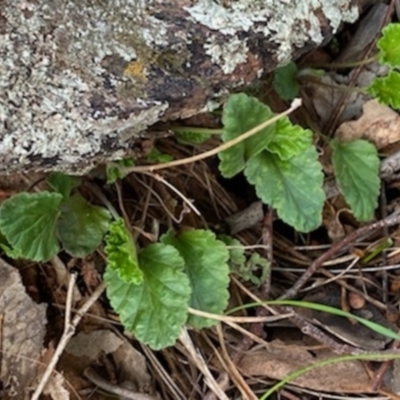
(135, 69)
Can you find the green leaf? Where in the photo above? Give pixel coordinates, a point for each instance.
(356, 167)
(156, 156)
(206, 266)
(387, 89)
(242, 113)
(285, 82)
(115, 169)
(191, 135)
(62, 183)
(82, 226)
(156, 310)
(293, 187)
(6, 247)
(121, 253)
(288, 139)
(389, 46)
(28, 221)
(236, 251)
(255, 270)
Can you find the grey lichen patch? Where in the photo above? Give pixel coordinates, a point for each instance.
(81, 80)
(57, 99)
(228, 55)
(289, 24)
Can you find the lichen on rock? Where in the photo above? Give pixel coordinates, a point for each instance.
(81, 80)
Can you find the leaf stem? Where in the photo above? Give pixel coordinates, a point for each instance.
(210, 131)
(224, 146)
(346, 65)
(341, 88)
(105, 201)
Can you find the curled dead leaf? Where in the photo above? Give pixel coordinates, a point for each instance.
(378, 124)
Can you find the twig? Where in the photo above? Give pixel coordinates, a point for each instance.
(305, 326)
(267, 240)
(201, 364)
(237, 378)
(69, 330)
(115, 389)
(256, 332)
(159, 178)
(238, 320)
(391, 220)
(311, 330)
(224, 146)
(121, 204)
(376, 382)
(103, 199)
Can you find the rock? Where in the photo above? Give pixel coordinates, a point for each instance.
(81, 81)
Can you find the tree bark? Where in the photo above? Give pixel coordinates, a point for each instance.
(81, 80)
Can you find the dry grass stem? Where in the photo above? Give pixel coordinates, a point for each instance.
(69, 330)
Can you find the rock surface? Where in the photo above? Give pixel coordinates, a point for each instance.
(80, 81)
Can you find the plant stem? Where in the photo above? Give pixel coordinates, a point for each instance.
(105, 201)
(224, 146)
(342, 88)
(345, 65)
(193, 129)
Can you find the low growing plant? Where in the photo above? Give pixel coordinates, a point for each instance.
(356, 163)
(150, 288)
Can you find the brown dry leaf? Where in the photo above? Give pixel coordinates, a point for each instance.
(332, 224)
(378, 124)
(395, 284)
(85, 349)
(22, 334)
(246, 218)
(280, 360)
(55, 388)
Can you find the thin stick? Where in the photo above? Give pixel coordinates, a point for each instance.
(201, 364)
(115, 389)
(239, 320)
(175, 190)
(238, 379)
(224, 146)
(69, 330)
(391, 220)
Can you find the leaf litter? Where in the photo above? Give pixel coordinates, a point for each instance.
(243, 358)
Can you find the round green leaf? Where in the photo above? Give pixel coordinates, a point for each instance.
(28, 221)
(156, 310)
(356, 167)
(242, 113)
(293, 187)
(208, 271)
(387, 89)
(285, 82)
(121, 253)
(289, 140)
(82, 226)
(389, 46)
(62, 183)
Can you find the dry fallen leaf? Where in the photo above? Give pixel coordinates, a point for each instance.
(55, 388)
(280, 360)
(332, 223)
(86, 349)
(378, 124)
(23, 330)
